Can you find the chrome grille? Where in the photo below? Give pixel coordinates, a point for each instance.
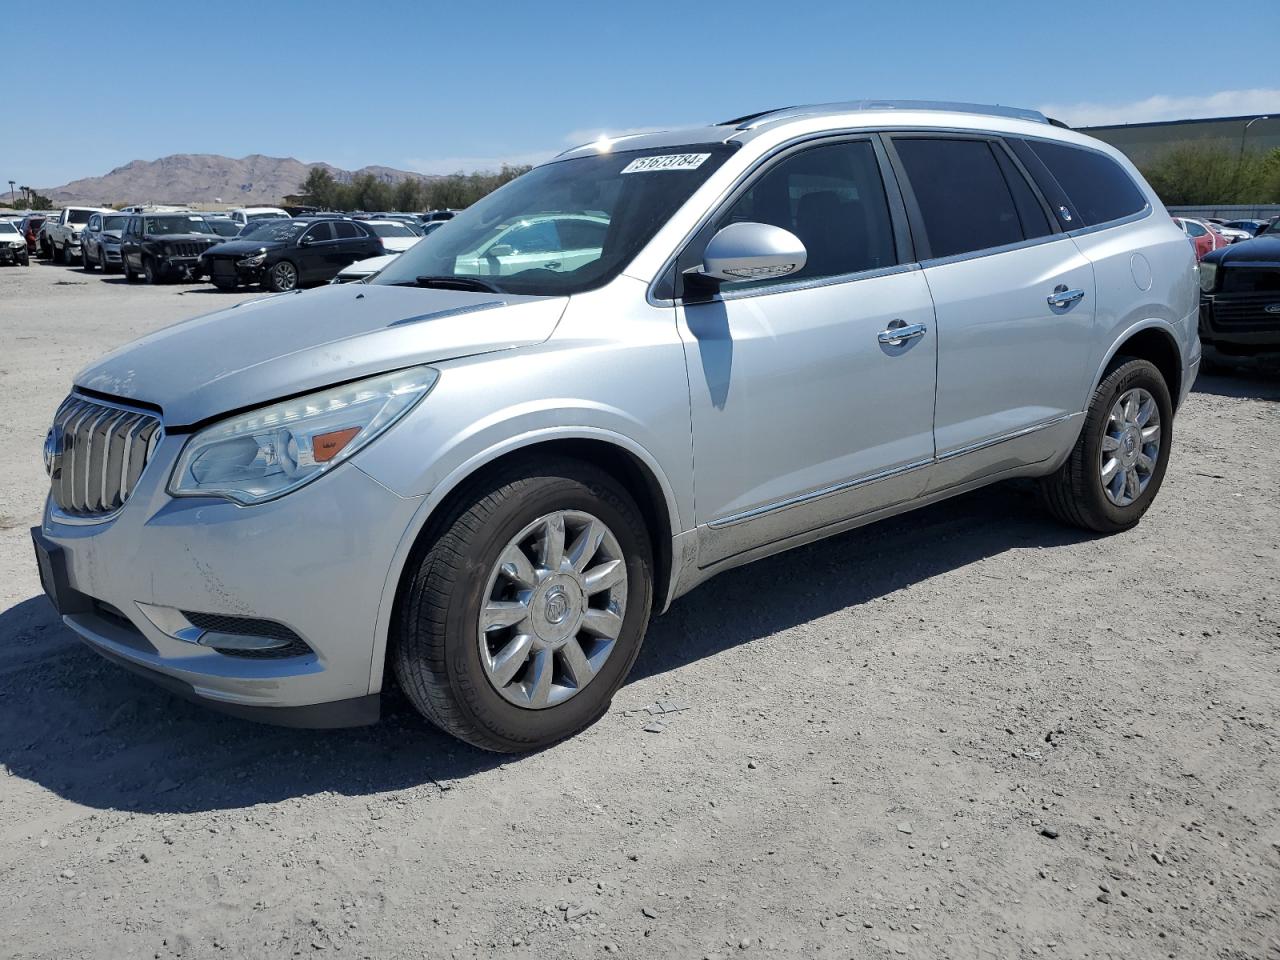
(95, 454)
(187, 248)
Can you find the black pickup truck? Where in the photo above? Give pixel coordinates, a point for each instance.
(1240, 295)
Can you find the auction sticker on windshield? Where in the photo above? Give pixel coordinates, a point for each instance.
(669, 161)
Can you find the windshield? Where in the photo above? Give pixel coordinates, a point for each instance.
(265, 215)
(273, 230)
(390, 230)
(7, 226)
(224, 227)
(79, 216)
(167, 226)
(113, 223)
(562, 228)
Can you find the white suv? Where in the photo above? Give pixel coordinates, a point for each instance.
(484, 467)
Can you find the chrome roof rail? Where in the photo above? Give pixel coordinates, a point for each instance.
(851, 106)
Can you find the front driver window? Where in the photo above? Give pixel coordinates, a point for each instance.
(832, 197)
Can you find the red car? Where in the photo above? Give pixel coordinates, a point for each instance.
(30, 229)
(1201, 235)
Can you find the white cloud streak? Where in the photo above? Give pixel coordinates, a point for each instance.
(470, 164)
(1224, 103)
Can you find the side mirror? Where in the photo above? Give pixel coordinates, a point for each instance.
(500, 250)
(752, 251)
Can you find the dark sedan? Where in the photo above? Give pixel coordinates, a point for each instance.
(1240, 295)
(165, 246)
(286, 254)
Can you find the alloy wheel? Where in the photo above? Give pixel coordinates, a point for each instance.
(553, 608)
(285, 276)
(1130, 446)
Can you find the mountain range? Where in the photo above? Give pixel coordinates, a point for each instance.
(207, 178)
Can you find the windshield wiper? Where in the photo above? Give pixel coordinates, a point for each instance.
(457, 283)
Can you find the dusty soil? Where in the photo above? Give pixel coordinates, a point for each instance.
(968, 732)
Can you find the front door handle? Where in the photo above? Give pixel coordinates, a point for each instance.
(899, 332)
(1062, 297)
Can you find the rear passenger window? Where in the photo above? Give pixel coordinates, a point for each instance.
(1098, 187)
(964, 200)
(346, 230)
(832, 197)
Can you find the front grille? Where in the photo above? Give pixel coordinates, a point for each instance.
(1245, 312)
(1250, 279)
(293, 645)
(187, 248)
(96, 453)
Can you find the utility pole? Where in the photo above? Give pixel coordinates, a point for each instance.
(1240, 156)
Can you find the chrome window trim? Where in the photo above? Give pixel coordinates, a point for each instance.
(1142, 214)
(805, 498)
(809, 283)
(993, 251)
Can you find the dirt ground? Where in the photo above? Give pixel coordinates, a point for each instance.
(964, 733)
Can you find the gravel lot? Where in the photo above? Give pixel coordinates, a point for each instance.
(963, 733)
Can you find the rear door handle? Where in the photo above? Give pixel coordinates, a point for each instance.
(899, 334)
(1062, 297)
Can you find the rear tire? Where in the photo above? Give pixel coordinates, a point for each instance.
(129, 275)
(447, 667)
(1077, 492)
(86, 264)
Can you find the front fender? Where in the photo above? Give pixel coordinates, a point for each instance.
(467, 468)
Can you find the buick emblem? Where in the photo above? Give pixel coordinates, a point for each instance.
(1272, 308)
(53, 451)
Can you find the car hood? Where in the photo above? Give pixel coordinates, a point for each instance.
(180, 238)
(1264, 249)
(242, 248)
(261, 350)
(365, 268)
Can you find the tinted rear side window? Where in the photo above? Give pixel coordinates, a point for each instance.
(964, 201)
(1098, 187)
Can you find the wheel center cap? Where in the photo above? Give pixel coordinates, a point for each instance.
(557, 605)
(557, 610)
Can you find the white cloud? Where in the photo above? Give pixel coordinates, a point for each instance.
(472, 164)
(1224, 103)
(469, 164)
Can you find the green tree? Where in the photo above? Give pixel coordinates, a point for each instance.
(320, 187)
(1198, 175)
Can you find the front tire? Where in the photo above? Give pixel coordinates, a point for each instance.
(86, 264)
(1118, 463)
(522, 612)
(282, 277)
(150, 273)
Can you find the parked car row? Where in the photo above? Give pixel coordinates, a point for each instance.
(251, 246)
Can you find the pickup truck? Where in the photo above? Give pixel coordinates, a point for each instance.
(63, 234)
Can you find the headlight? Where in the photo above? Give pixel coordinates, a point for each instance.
(16, 244)
(271, 451)
(1208, 276)
(256, 260)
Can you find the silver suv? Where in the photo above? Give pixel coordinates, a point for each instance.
(641, 364)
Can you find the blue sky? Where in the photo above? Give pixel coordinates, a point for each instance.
(442, 87)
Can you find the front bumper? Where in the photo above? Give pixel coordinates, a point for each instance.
(10, 254)
(110, 254)
(316, 561)
(1243, 320)
(224, 268)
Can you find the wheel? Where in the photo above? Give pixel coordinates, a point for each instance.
(1120, 457)
(26, 258)
(129, 275)
(59, 254)
(282, 277)
(224, 283)
(149, 271)
(85, 262)
(522, 614)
